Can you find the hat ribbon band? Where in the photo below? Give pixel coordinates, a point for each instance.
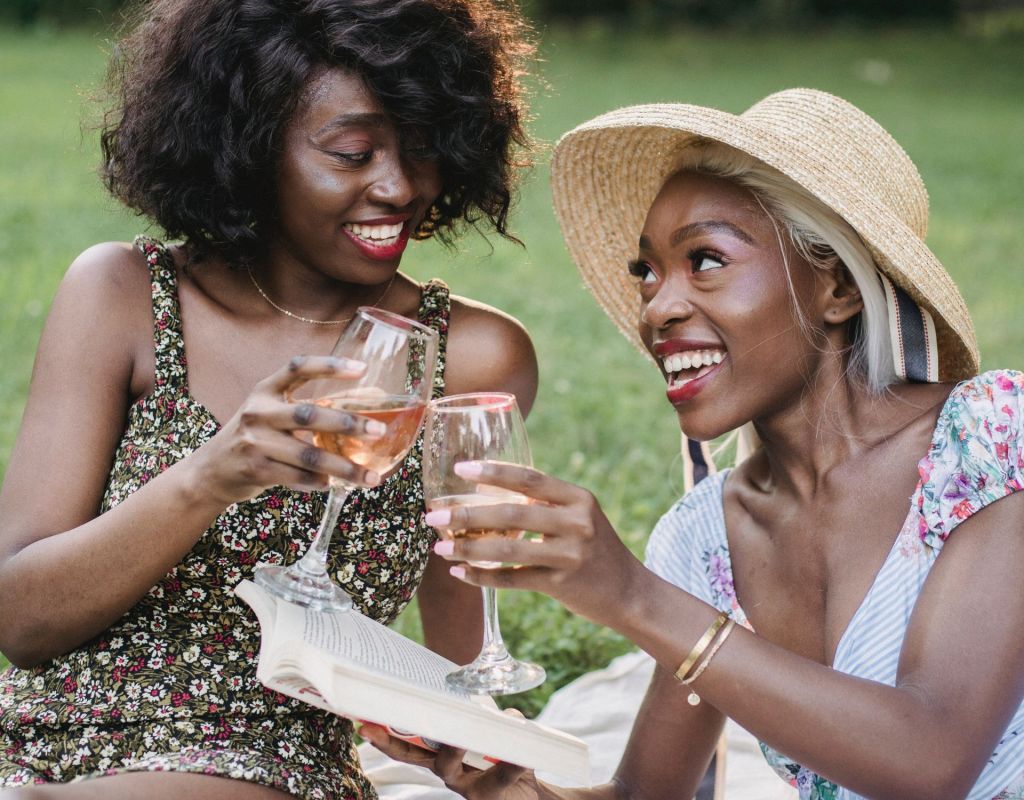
(912, 330)
(697, 462)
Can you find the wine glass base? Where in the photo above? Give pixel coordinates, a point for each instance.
(506, 676)
(296, 586)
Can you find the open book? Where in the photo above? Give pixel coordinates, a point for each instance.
(353, 666)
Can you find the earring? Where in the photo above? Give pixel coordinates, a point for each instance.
(428, 225)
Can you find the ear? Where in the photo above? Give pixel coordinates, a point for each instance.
(842, 297)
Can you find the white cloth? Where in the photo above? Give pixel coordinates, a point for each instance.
(599, 708)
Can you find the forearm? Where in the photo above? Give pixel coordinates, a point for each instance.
(842, 727)
(61, 590)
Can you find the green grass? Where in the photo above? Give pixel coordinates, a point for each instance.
(600, 418)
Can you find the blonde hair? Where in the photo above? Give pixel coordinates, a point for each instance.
(821, 237)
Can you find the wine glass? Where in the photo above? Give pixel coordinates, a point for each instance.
(473, 427)
(400, 357)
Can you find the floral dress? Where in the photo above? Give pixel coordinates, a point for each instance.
(976, 457)
(172, 684)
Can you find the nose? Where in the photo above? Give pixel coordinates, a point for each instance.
(397, 182)
(669, 304)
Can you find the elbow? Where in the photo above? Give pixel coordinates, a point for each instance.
(23, 640)
(951, 777)
(22, 660)
(23, 647)
(929, 790)
(952, 780)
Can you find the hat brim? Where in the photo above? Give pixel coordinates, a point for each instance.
(606, 173)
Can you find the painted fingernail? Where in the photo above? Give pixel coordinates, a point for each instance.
(444, 547)
(438, 518)
(469, 469)
(457, 572)
(371, 478)
(375, 428)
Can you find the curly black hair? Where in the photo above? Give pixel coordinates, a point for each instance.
(204, 89)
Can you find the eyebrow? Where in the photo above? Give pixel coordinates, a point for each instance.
(371, 119)
(697, 228)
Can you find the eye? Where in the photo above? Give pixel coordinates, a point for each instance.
(353, 159)
(642, 270)
(704, 260)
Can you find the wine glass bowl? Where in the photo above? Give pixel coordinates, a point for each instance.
(476, 427)
(401, 414)
(480, 498)
(400, 357)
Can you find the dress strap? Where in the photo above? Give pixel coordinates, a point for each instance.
(168, 341)
(435, 306)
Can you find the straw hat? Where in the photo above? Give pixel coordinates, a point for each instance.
(606, 173)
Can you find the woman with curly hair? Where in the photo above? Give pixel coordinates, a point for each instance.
(290, 149)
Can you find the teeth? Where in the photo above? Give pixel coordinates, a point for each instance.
(675, 380)
(691, 359)
(379, 235)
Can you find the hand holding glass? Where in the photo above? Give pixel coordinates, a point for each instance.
(475, 427)
(400, 357)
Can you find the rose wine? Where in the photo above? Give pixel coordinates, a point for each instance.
(491, 498)
(402, 414)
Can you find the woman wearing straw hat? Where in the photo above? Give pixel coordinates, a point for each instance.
(777, 273)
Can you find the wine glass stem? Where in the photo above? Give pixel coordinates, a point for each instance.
(494, 646)
(314, 562)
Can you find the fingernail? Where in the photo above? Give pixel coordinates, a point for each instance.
(438, 518)
(371, 478)
(444, 547)
(469, 469)
(375, 428)
(457, 572)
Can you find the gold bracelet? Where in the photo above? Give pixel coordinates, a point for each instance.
(701, 646)
(693, 698)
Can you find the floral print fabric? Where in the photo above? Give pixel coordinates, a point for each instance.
(172, 685)
(976, 457)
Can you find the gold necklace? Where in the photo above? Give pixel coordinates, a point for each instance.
(288, 313)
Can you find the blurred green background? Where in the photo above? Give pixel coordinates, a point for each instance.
(949, 84)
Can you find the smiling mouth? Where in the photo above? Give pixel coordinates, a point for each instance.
(682, 368)
(375, 235)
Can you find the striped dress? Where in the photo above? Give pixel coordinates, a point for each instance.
(976, 456)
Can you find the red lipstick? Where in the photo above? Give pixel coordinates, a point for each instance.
(691, 388)
(669, 346)
(388, 252)
(684, 392)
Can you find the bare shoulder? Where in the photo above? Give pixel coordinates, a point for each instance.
(110, 267)
(106, 291)
(488, 350)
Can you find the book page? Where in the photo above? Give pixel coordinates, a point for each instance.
(350, 665)
(357, 638)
